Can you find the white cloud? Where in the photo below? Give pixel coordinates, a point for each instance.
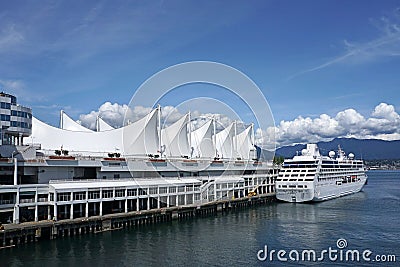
(114, 114)
(383, 123)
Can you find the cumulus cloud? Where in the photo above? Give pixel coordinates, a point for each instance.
(383, 123)
(114, 115)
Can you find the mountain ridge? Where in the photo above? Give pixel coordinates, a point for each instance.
(367, 149)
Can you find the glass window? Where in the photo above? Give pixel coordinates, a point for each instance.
(79, 195)
(107, 193)
(120, 193)
(63, 196)
(132, 192)
(94, 194)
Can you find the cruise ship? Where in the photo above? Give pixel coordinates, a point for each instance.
(70, 172)
(313, 177)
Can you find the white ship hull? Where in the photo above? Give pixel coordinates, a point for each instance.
(325, 192)
(320, 192)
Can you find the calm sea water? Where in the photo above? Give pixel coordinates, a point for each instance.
(366, 220)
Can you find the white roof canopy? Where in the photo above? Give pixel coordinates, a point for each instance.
(67, 123)
(202, 143)
(224, 142)
(101, 125)
(140, 138)
(174, 138)
(244, 144)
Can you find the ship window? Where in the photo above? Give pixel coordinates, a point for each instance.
(305, 186)
(300, 186)
(292, 186)
(284, 186)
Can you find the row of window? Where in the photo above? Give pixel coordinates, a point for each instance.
(298, 175)
(21, 124)
(4, 117)
(295, 179)
(5, 105)
(294, 170)
(21, 114)
(292, 186)
(299, 166)
(109, 193)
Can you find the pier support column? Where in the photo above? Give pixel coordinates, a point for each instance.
(148, 203)
(71, 215)
(137, 204)
(101, 208)
(158, 202)
(126, 205)
(36, 213)
(48, 213)
(16, 213)
(86, 209)
(16, 207)
(168, 200)
(55, 212)
(36, 206)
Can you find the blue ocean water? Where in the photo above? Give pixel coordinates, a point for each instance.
(368, 220)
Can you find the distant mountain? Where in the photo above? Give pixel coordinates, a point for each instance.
(368, 149)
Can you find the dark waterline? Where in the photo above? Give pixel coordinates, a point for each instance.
(367, 220)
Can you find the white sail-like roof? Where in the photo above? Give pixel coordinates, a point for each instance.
(140, 138)
(101, 125)
(224, 142)
(202, 143)
(174, 138)
(243, 141)
(67, 123)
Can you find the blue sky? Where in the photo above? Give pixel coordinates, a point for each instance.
(308, 57)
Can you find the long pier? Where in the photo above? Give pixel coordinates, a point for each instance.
(15, 234)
